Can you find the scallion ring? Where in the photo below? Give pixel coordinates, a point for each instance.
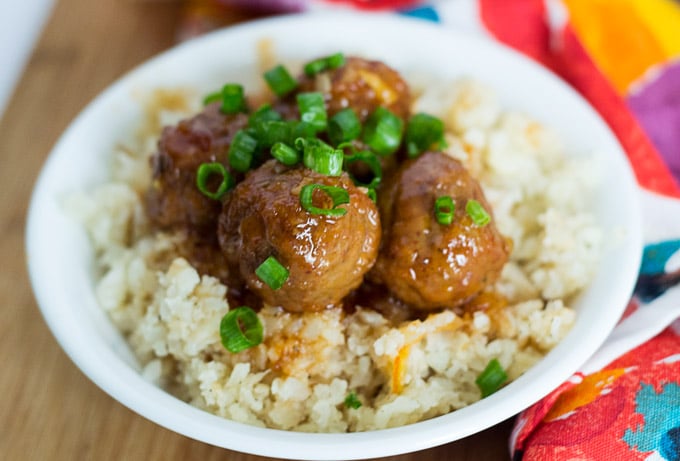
(444, 210)
(320, 157)
(241, 151)
(344, 126)
(272, 272)
(269, 132)
(313, 110)
(233, 100)
(338, 195)
(205, 172)
(285, 154)
(264, 113)
(280, 81)
(241, 329)
(492, 378)
(476, 211)
(423, 131)
(329, 62)
(383, 131)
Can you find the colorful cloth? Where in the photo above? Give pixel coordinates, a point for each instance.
(624, 57)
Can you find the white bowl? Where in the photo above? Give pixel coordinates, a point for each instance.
(61, 261)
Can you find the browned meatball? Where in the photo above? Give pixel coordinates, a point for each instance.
(327, 257)
(426, 264)
(173, 200)
(364, 86)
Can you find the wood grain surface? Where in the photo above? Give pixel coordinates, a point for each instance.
(48, 409)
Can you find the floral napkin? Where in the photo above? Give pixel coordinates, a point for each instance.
(624, 57)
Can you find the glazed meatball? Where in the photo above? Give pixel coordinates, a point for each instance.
(430, 265)
(173, 200)
(364, 86)
(326, 256)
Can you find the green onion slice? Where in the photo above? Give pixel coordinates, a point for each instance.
(444, 210)
(212, 97)
(319, 65)
(476, 211)
(280, 81)
(208, 170)
(269, 132)
(233, 100)
(272, 273)
(422, 132)
(373, 162)
(352, 401)
(241, 151)
(344, 126)
(313, 110)
(492, 378)
(241, 329)
(383, 131)
(339, 196)
(335, 60)
(285, 154)
(300, 130)
(320, 157)
(232, 97)
(264, 113)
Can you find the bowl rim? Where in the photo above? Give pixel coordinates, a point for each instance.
(130, 389)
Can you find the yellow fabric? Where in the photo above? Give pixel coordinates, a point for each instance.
(625, 38)
(662, 18)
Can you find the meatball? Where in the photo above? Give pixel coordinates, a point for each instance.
(364, 86)
(326, 256)
(426, 264)
(173, 200)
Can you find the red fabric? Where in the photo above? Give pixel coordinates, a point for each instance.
(522, 25)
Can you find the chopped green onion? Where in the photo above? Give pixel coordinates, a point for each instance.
(319, 65)
(212, 97)
(280, 81)
(203, 174)
(476, 211)
(232, 97)
(241, 329)
(313, 110)
(264, 113)
(233, 100)
(314, 67)
(285, 154)
(344, 126)
(352, 401)
(272, 273)
(444, 210)
(269, 132)
(492, 378)
(383, 131)
(241, 151)
(320, 157)
(373, 162)
(339, 196)
(335, 60)
(300, 130)
(422, 131)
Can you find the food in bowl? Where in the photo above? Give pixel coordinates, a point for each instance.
(346, 253)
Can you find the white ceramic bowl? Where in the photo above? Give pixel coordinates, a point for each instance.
(61, 261)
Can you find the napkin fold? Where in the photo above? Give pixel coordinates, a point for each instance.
(623, 56)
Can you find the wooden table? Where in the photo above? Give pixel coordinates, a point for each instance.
(48, 409)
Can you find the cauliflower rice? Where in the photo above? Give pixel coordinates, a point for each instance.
(299, 377)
